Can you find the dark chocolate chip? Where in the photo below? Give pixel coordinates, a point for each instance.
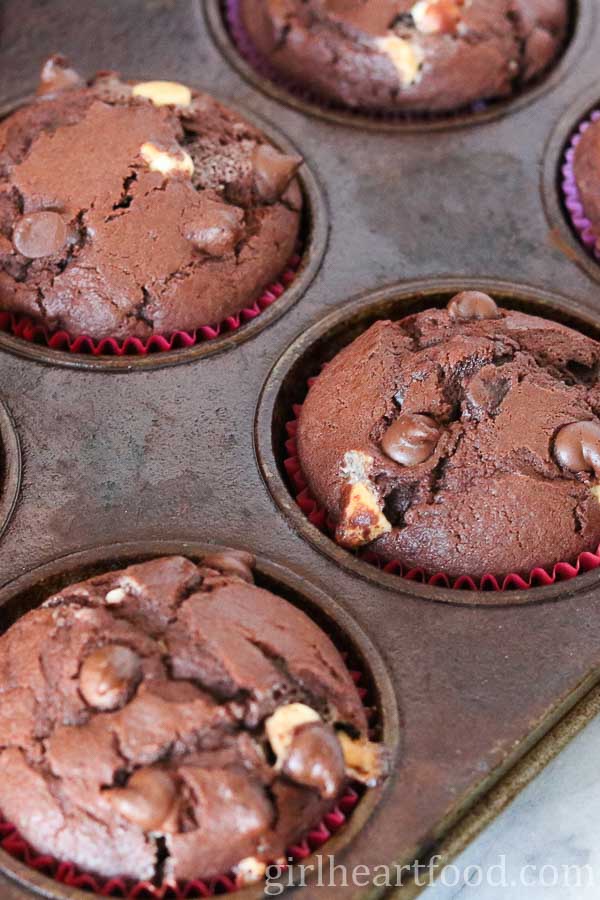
(485, 393)
(402, 20)
(315, 759)
(109, 676)
(473, 305)
(577, 447)
(57, 75)
(40, 234)
(273, 171)
(411, 439)
(147, 800)
(218, 233)
(399, 501)
(232, 562)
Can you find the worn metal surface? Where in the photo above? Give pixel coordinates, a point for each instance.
(10, 467)
(169, 453)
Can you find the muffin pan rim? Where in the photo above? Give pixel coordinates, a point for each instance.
(312, 597)
(315, 216)
(352, 310)
(583, 16)
(11, 470)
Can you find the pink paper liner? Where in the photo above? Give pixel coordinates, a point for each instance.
(246, 48)
(317, 515)
(28, 329)
(571, 196)
(70, 875)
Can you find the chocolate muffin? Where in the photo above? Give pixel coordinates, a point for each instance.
(463, 440)
(138, 209)
(173, 720)
(587, 174)
(400, 55)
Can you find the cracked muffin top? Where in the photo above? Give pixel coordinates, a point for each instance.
(398, 55)
(463, 440)
(173, 720)
(138, 209)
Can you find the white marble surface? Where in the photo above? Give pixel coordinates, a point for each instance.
(554, 823)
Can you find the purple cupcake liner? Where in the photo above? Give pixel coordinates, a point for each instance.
(250, 53)
(571, 196)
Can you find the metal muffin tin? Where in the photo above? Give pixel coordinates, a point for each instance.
(149, 457)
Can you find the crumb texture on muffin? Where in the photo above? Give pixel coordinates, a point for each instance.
(472, 431)
(173, 720)
(138, 209)
(400, 55)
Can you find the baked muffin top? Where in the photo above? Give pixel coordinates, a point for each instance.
(138, 209)
(463, 440)
(401, 55)
(173, 720)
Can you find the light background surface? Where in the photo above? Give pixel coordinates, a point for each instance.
(555, 821)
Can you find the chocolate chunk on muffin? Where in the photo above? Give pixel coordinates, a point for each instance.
(173, 720)
(401, 55)
(463, 440)
(138, 209)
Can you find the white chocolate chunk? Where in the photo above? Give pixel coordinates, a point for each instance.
(163, 93)
(438, 16)
(168, 164)
(422, 18)
(364, 759)
(596, 492)
(356, 467)
(405, 55)
(281, 725)
(361, 519)
(114, 597)
(249, 871)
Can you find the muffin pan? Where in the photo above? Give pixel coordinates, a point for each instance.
(128, 450)
(10, 467)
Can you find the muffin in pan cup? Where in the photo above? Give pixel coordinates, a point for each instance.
(390, 57)
(459, 442)
(136, 210)
(172, 722)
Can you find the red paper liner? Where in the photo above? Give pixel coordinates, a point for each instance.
(34, 332)
(317, 515)
(71, 876)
